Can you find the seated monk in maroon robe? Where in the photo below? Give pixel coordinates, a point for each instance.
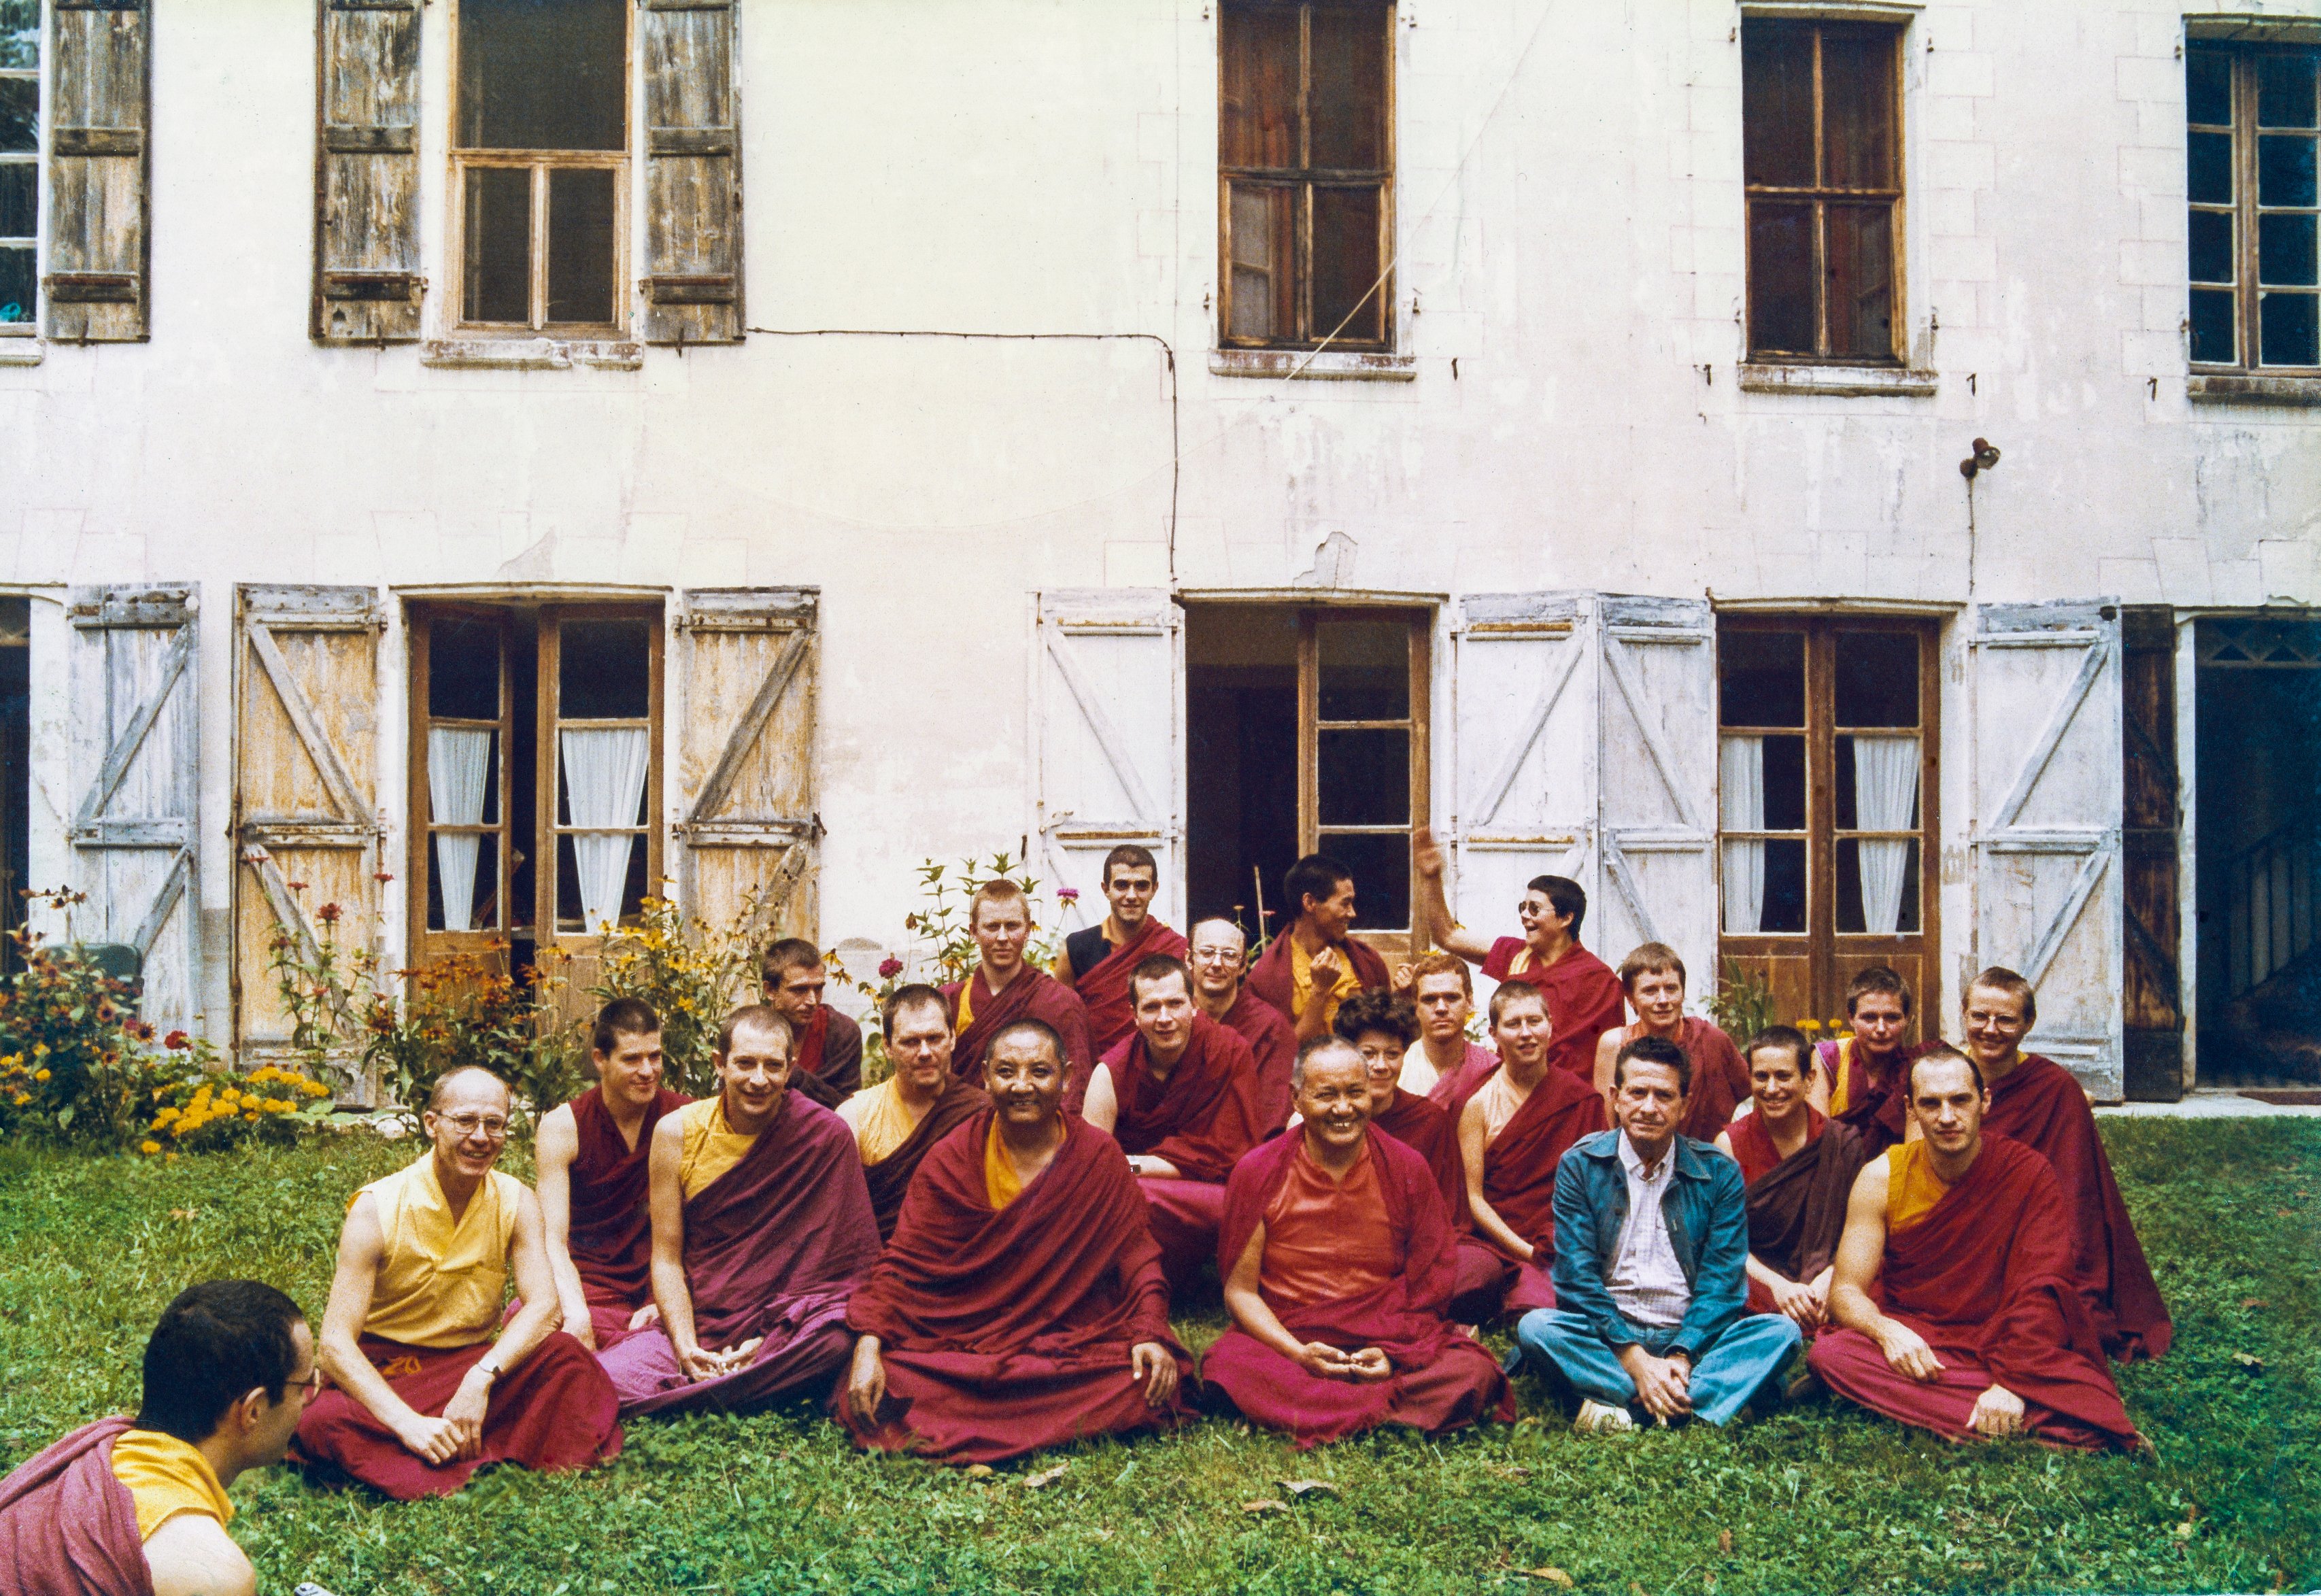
(827, 1060)
(1180, 1098)
(1955, 1305)
(422, 1394)
(1799, 1168)
(1653, 978)
(1514, 1130)
(1219, 959)
(590, 1155)
(761, 1230)
(1003, 988)
(2038, 1102)
(1020, 1304)
(1338, 1257)
(897, 1122)
(1095, 963)
(1315, 964)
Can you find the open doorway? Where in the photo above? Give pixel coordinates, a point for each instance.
(2258, 783)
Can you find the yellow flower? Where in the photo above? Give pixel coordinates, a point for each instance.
(167, 1115)
(40, 1049)
(149, 1146)
(39, 1074)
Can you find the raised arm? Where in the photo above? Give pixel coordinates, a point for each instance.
(1474, 1140)
(1861, 1254)
(554, 1149)
(361, 1247)
(1442, 929)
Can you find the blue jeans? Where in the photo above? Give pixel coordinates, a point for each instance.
(1725, 1374)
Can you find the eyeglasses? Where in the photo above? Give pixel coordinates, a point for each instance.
(468, 1124)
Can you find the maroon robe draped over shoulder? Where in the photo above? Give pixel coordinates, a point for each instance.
(2039, 1103)
(611, 1231)
(1986, 1277)
(1584, 1001)
(773, 1248)
(1034, 994)
(1452, 1088)
(827, 1063)
(1519, 1175)
(889, 1179)
(1720, 1078)
(1201, 1119)
(68, 1527)
(1009, 1330)
(1797, 1205)
(1443, 1379)
(1273, 978)
(1876, 1105)
(1104, 991)
(1275, 1047)
(1431, 1131)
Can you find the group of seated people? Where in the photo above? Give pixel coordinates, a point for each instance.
(976, 1257)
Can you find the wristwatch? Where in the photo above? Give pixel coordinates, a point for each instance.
(491, 1370)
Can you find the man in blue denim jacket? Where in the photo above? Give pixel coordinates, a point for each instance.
(1651, 1242)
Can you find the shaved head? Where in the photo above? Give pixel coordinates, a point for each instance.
(465, 1083)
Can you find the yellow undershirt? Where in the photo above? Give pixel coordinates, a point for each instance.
(880, 1120)
(441, 1281)
(967, 1001)
(1301, 984)
(1837, 1090)
(166, 1477)
(711, 1146)
(1001, 1184)
(1911, 1187)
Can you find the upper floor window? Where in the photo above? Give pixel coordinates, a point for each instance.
(20, 159)
(1821, 141)
(1305, 170)
(2250, 126)
(541, 162)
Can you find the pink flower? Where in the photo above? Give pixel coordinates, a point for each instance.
(890, 968)
(1069, 894)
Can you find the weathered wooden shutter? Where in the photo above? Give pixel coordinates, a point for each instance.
(1525, 801)
(1657, 781)
(305, 791)
(1108, 741)
(100, 166)
(136, 764)
(749, 661)
(366, 281)
(2047, 778)
(693, 173)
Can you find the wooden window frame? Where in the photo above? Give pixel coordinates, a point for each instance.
(1313, 836)
(419, 865)
(1304, 179)
(36, 157)
(1832, 956)
(1821, 196)
(550, 832)
(2244, 208)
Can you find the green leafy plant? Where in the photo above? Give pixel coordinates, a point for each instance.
(77, 1067)
(692, 974)
(467, 1009)
(1742, 1004)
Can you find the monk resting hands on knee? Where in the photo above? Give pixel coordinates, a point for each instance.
(1150, 1365)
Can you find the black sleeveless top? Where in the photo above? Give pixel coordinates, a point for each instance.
(1086, 949)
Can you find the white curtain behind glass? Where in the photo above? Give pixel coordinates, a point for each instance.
(604, 782)
(1885, 797)
(1741, 807)
(459, 765)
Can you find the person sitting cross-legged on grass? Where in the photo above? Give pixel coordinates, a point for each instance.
(1956, 1304)
(1651, 1237)
(1020, 1303)
(1799, 1167)
(423, 1396)
(1338, 1257)
(125, 1506)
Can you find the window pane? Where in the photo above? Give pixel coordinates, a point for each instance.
(571, 902)
(20, 189)
(1347, 98)
(543, 74)
(1349, 301)
(16, 285)
(2286, 324)
(604, 670)
(2211, 247)
(1780, 279)
(1777, 117)
(1259, 89)
(1365, 669)
(2213, 340)
(473, 857)
(1891, 888)
(1877, 679)
(2208, 86)
(2284, 169)
(497, 244)
(1785, 886)
(463, 670)
(1785, 784)
(1857, 113)
(2284, 250)
(2284, 88)
(19, 114)
(1263, 280)
(1362, 778)
(1895, 807)
(20, 35)
(1861, 252)
(580, 245)
(1760, 678)
(2208, 167)
(1380, 864)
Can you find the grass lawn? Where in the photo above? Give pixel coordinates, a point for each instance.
(1819, 1497)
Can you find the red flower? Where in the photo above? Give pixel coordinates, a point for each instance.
(328, 914)
(382, 876)
(890, 968)
(297, 886)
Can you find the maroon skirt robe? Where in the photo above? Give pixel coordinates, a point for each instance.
(611, 1231)
(1519, 1176)
(1275, 1047)
(1034, 994)
(1005, 1331)
(68, 1527)
(1201, 1119)
(1103, 989)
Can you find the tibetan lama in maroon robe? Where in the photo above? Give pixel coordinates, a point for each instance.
(890, 1178)
(68, 1527)
(826, 1065)
(2039, 1104)
(1584, 999)
(1428, 1130)
(1519, 1175)
(1201, 1119)
(1441, 1380)
(773, 1248)
(1034, 994)
(1272, 979)
(1274, 1046)
(1986, 1277)
(1103, 989)
(611, 1232)
(1797, 1205)
(1007, 1331)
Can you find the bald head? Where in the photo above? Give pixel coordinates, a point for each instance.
(468, 1086)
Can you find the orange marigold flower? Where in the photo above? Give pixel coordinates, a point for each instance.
(149, 1147)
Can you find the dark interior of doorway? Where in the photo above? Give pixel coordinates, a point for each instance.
(2258, 815)
(1240, 811)
(15, 772)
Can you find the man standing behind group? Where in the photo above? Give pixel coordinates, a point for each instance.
(896, 1122)
(1583, 998)
(828, 1063)
(591, 1155)
(1003, 988)
(1653, 978)
(1219, 957)
(1513, 1132)
(1315, 964)
(422, 1395)
(1094, 963)
(1442, 1065)
(762, 1229)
